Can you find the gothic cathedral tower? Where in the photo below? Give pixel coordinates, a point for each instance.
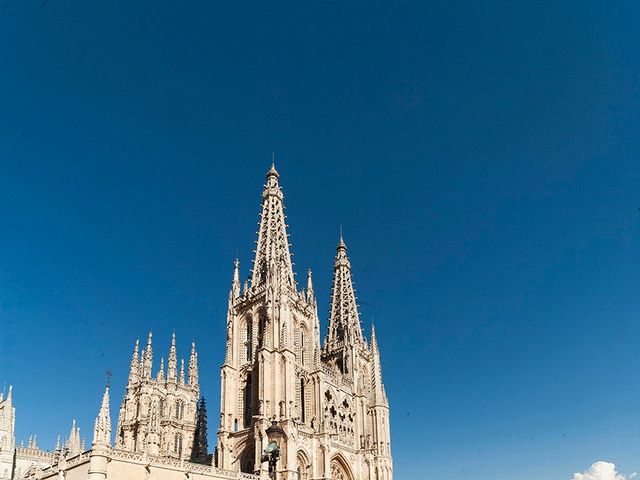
(330, 399)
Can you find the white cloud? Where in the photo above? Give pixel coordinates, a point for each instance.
(601, 471)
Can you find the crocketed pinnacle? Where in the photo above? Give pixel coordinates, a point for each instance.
(102, 427)
(172, 366)
(235, 285)
(193, 366)
(148, 357)
(135, 367)
(344, 319)
(273, 258)
(377, 387)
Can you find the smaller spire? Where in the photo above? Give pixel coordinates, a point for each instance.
(310, 293)
(133, 371)
(148, 358)
(235, 285)
(173, 359)
(35, 441)
(193, 366)
(161, 371)
(102, 427)
(182, 371)
(58, 445)
(9, 395)
(374, 341)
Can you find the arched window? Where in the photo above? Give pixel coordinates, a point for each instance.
(302, 402)
(177, 444)
(247, 401)
(179, 413)
(261, 321)
(249, 342)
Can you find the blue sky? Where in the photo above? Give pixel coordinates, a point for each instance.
(482, 157)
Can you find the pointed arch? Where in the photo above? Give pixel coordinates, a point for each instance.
(303, 466)
(247, 458)
(339, 468)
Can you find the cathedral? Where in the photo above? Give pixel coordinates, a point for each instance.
(324, 398)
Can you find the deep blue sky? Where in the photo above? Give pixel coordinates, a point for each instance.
(483, 158)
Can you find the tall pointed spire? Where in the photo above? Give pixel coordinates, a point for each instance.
(102, 427)
(172, 366)
(344, 319)
(193, 366)
(273, 258)
(133, 372)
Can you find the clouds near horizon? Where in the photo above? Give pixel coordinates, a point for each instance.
(602, 471)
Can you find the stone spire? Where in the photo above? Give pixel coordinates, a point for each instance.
(135, 364)
(161, 371)
(172, 366)
(193, 366)
(148, 357)
(377, 388)
(102, 428)
(73, 442)
(344, 319)
(235, 284)
(200, 446)
(182, 371)
(310, 293)
(273, 258)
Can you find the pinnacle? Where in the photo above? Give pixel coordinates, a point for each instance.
(272, 171)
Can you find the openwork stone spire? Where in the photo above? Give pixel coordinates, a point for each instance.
(273, 258)
(199, 452)
(344, 319)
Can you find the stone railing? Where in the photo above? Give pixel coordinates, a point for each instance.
(81, 458)
(180, 464)
(34, 452)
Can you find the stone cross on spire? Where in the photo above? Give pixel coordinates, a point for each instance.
(273, 258)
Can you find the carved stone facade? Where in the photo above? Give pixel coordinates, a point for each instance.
(329, 398)
(159, 414)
